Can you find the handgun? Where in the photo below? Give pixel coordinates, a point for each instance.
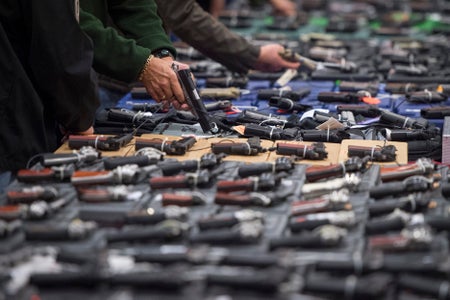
(194, 101)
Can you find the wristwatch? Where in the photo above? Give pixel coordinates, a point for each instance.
(161, 53)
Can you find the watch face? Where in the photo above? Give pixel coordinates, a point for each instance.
(163, 53)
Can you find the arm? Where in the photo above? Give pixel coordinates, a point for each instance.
(199, 29)
(138, 20)
(128, 58)
(111, 49)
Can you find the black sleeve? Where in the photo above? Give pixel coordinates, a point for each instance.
(60, 61)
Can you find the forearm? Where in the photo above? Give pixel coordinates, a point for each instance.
(138, 20)
(114, 55)
(199, 29)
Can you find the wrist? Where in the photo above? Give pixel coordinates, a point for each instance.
(147, 63)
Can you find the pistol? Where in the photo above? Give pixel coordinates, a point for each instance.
(281, 164)
(188, 180)
(194, 101)
(121, 175)
(56, 173)
(85, 154)
(422, 166)
(315, 151)
(241, 233)
(104, 143)
(352, 165)
(325, 236)
(335, 201)
(287, 104)
(27, 195)
(251, 147)
(375, 153)
(177, 147)
(266, 94)
(435, 112)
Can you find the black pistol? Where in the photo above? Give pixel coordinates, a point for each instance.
(194, 101)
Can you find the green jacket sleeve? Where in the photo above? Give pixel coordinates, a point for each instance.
(203, 32)
(121, 48)
(114, 55)
(138, 20)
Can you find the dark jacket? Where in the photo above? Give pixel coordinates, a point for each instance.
(124, 33)
(203, 32)
(45, 78)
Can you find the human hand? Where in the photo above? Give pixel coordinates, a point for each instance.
(284, 7)
(270, 61)
(162, 83)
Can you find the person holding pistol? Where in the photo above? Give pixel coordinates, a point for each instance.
(130, 44)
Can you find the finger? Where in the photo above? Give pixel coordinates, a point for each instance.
(156, 93)
(184, 106)
(166, 89)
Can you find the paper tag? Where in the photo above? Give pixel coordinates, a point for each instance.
(331, 123)
(287, 76)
